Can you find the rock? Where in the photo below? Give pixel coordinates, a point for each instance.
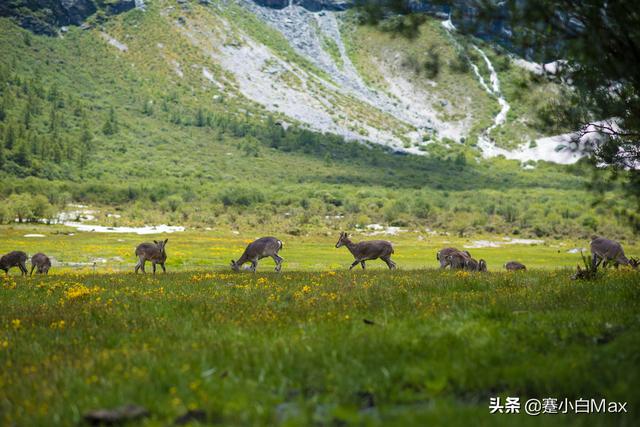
(120, 6)
(37, 26)
(273, 4)
(46, 16)
(311, 5)
(115, 416)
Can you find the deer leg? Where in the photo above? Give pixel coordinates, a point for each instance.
(356, 262)
(164, 270)
(23, 269)
(254, 265)
(142, 263)
(32, 267)
(362, 264)
(278, 260)
(390, 264)
(595, 262)
(153, 264)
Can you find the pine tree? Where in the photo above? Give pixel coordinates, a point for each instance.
(9, 137)
(111, 125)
(2, 159)
(21, 154)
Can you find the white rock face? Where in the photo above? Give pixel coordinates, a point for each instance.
(331, 96)
(115, 43)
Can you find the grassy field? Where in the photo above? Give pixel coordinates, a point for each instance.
(293, 348)
(213, 250)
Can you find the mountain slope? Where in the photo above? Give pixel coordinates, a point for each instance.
(143, 113)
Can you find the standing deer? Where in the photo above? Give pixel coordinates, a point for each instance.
(41, 262)
(153, 252)
(608, 251)
(514, 266)
(444, 253)
(367, 250)
(258, 249)
(14, 259)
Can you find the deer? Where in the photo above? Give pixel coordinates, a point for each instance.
(153, 252)
(473, 265)
(462, 261)
(608, 251)
(515, 266)
(14, 259)
(367, 250)
(41, 262)
(261, 248)
(444, 253)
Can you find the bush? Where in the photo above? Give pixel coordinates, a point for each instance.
(240, 196)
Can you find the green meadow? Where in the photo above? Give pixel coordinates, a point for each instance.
(408, 347)
(202, 249)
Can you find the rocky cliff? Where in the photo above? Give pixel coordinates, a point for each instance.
(46, 16)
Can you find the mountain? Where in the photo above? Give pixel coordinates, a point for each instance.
(197, 111)
(312, 63)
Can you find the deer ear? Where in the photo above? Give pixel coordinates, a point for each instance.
(155, 241)
(165, 241)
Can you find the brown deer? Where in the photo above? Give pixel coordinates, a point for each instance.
(367, 250)
(515, 266)
(14, 259)
(153, 252)
(444, 253)
(462, 261)
(473, 265)
(258, 249)
(608, 251)
(41, 262)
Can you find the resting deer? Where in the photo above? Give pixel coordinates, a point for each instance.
(258, 249)
(41, 262)
(608, 251)
(444, 253)
(14, 259)
(153, 252)
(367, 250)
(514, 266)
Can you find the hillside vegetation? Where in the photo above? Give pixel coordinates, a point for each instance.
(139, 113)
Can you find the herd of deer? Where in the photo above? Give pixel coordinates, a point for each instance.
(603, 251)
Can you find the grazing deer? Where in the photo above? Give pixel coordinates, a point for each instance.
(514, 266)
(462, 261)
(153, 252)
(444, 253)
(41, 262)
(608, 251)
(14, 259)
(473, 265)
(258, 249)
(367, 250)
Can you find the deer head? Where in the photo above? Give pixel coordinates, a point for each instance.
(343, 240)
